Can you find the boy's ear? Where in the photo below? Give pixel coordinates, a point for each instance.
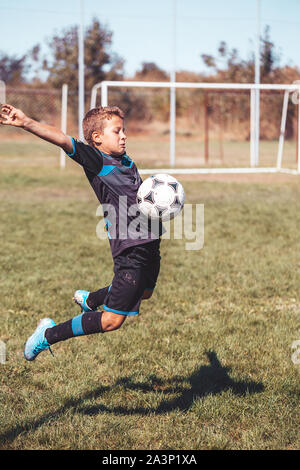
(97, 137)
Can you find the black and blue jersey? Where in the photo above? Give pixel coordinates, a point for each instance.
(115, 181)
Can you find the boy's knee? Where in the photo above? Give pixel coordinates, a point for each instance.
(111, 321)
(147, 294)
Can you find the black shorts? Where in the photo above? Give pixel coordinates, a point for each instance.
(135, 270)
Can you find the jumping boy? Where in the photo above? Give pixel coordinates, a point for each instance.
(115, 180)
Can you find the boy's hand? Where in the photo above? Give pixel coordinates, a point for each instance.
(12, 116)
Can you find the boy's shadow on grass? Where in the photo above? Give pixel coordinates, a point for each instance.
(212, 379)
(207, 380)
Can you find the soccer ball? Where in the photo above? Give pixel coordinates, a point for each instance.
(161, 197)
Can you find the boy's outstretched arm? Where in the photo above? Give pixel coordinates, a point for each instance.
(15, 117)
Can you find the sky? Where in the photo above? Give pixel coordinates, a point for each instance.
(143, 30)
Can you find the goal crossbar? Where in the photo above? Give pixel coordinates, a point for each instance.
(254, 90)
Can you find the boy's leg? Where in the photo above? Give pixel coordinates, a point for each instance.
(87, 323)
(95, 299)
(90, 301)
(47, 333)
(120, 299)
(151, 274)
(151, 271)
(147, 294)
(111, 321)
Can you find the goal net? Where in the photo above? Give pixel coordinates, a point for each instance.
(207, 128)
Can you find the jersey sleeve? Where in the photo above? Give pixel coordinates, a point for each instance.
(88, 157)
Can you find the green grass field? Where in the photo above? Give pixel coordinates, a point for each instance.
(207, 363)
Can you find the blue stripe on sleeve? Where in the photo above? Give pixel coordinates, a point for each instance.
(74, 150)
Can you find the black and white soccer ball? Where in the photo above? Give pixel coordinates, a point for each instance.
(161, 197)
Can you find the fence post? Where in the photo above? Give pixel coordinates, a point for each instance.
(257, 125)
(252, 129)
(64, 107)
(298, 136)
(104, 95)
(94, 96)
(220, 125)
(282, 129)
(2, 92)
(172, 125)
(2, 352)
(206, 128)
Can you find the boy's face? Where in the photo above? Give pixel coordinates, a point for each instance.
(113, 139)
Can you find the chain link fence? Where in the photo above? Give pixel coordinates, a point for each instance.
(43, 105)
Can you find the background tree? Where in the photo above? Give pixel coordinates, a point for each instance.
(269, 57)
(227, 66)
(149, 71)
(100, 62)
(12, 69)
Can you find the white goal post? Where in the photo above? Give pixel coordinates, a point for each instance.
(254, 90)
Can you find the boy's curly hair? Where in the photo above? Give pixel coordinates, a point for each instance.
(94, 120)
